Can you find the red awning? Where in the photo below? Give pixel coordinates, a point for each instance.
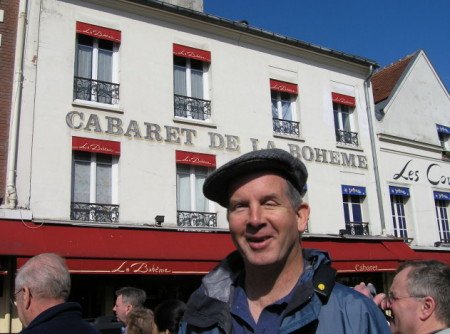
(284, 87)
(99, 32)
(443, 256)
(192, 158)
(96, 250)
(343, 99)
(193, 53)
(364, 255)
(134, 267)
(96, 145)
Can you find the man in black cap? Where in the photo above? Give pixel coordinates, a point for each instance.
(270, 284)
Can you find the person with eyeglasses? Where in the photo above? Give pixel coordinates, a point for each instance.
(418, 301)
(42, 287)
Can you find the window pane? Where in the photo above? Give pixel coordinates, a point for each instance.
(179, 80)
(287, 111)
(346, 121)
(81, 181)
(105, 65)
(201, 203)
(200, 200)
(103, 186)
(336, 120)
(197, 83)
(84, 61)
(183, 188)
(357, 215)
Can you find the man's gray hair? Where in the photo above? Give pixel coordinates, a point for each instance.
(133, 296)
(294, 195)
(430, 278)
(46, 275)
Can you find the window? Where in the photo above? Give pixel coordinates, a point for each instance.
(353, 199)
(190, 73)
(441, 200)
(399, 198)
(94, 181)
(96, 64)
(444, 136)
(284, 97)
(192, 206)
(344, 122)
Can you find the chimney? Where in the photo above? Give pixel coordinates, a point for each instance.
(196, 5)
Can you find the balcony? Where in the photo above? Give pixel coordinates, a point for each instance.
(347, 137)
(95, 90)
(356, 228)
(189, 107)
(92, 212)
(285, 127)
(196, 219)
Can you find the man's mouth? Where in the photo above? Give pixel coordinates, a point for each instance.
(258, 242)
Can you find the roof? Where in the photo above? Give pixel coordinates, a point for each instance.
(384, 80)
(243, 26)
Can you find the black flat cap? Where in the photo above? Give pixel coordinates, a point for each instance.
(216, 186)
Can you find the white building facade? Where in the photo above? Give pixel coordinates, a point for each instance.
(413, 127)
(125, 108)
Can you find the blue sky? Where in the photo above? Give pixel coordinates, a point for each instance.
(381, 30)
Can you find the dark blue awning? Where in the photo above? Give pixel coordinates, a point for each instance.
(353, 190)
(399, 191)
(441, 195)
(443, 129)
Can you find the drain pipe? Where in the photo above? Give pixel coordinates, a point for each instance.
(367, 85)
(11, 193)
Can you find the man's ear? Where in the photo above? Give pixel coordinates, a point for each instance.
(26, 295)
(427, 308)
(303, 211)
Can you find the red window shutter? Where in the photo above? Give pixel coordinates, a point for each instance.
(95, 145)
(198, 159)
(284, 87)
(193, 53)
(98, 32)
(343, 99)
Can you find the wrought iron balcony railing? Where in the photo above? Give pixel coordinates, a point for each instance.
(196, 219)
(347, 137)
(357, 228)
(285, 127)
(93, 212)
(189, 107)
(95, 90)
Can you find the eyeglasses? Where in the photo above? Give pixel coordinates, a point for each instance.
(393, 298)
(13, 300)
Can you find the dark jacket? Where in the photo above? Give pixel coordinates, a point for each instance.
(60, 319)
(336, 309)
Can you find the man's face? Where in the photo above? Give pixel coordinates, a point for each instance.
(122, 309)
(21, 311)
(263, 224)
(405, 309)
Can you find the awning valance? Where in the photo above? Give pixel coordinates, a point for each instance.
(98, 32)
(353, 190)
(199, 159)
(440, 195)
(443, 129)
(283, 87)
(399, 191)
(193, 53)
(343, 99)
(95, 145)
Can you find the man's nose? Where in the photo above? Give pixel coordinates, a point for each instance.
(255, 212)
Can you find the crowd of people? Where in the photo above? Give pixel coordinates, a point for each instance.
(269, 284)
